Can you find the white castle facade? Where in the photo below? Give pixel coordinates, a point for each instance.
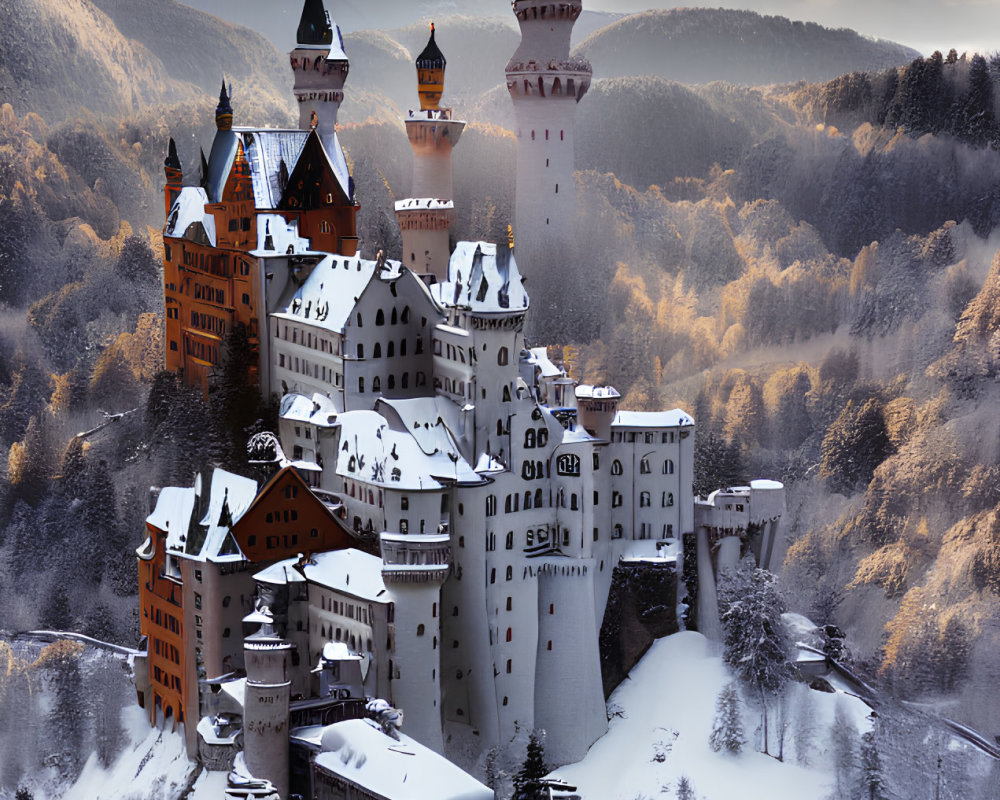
(498, 494)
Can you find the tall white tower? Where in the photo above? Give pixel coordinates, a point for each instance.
(265, 715)
(425, 217)
(320, 66)
(545, 85)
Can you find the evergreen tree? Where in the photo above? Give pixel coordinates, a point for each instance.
(684, 789)
(717, 464)
(854, 445)
(727, 730)
(23, 794)
(872, 782)
(527, 781)
(756, 644)
(57, 615)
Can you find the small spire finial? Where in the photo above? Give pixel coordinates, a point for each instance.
(224, 111)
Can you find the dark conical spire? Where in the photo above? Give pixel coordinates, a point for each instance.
(314, 26)
(172, 161)
(224, 111)
(431, 57)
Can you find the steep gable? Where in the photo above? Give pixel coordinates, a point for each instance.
(286, 519)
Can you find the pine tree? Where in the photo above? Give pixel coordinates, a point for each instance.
(872, 782)
(804, 730)
(727, 730)
(527, 781)
(756, 642)
(684, 789)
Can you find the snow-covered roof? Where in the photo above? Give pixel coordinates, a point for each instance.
(483, 278)
(265, 150)
(232, 492)
(424, 203)
(374, 452)
(172, 514)
(652, 419)
(357, 751)
(348, 571)
(651, 551)
(432, 421)
(189, 209)
(767, 485)
(540, 358)
(284, 236)
(588, 392)
(317, 409)
(330, 292)
(338, 651)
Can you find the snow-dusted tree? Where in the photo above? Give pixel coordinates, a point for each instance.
(527, 781)
(727, 730)
(684, 789)
(844, 747)
(872, 782)
(495, 775)
(756, 642)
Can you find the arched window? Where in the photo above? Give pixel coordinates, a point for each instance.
(529, 437)
(617, 532)
(644, 466)
(643, 499)
(390, 349)
(405, 381)
(392, 382)
(499, 427)
(527, 500)
(361, 384)
(405, 316)
(538, 498)
(668, 499)
(506, 394)
(502, 356)
(359, 319)
(377, 352)
(491, 505)
(510, 636)
(380, 317)
(507, 508)
(668, 467)
(543, 436)
(376, 384)
(420, 629)
(510, 540)
(573, 502)
(616, 467)
(361, 350)
(510, 573)
(394, 318)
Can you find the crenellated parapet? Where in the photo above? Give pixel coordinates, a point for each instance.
(564, 79)
(530, 10)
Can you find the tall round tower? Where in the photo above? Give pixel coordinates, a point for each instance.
(320, 66)
(545, 85)
(265, 713)
(425, 217)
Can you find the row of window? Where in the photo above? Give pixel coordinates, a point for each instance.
(420, 379)
(206, 322)
(204, 291)
(201, 350)
(666, 437)
(318, 372)
(644, 466)
(667, 500)
(307, 339)
(168, 651)
(404, 318)
(390, 349)
(167, 679)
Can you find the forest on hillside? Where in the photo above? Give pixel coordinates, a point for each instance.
(808, 268)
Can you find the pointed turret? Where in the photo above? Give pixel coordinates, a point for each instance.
(431, 64)
(224, 111)
(320, 66)
(175, 177)
(425, 217)
(314, 26)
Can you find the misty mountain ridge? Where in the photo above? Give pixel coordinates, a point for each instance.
(700, 45)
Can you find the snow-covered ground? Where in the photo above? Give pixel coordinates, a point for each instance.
(667, 707)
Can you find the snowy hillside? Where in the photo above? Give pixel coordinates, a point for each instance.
(667, 705)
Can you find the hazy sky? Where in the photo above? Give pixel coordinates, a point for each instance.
(923, 24)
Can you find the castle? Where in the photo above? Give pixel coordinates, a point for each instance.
(446, 506)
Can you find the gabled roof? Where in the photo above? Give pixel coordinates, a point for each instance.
(310, 161)
(374, 452)
(349, 571)
(652, 419)
(172, 514)
(317, 409)
(229, 499)
(329, 294)
(187, 216)
(483, 278)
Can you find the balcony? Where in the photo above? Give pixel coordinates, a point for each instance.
(415, 558)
